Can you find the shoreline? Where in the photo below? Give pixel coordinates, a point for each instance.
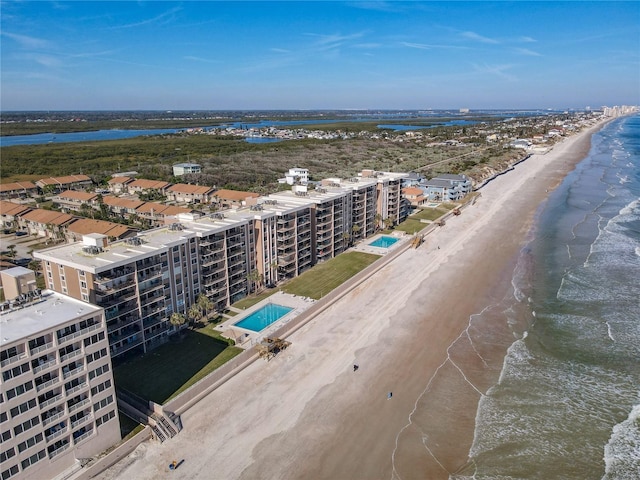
(312, 417)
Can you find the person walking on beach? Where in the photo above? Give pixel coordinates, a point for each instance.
(389, 395)
(355, 367)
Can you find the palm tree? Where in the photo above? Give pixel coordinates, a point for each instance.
(177, 319)
(255, 277)
(378, 219)
(204, 304)
(194, 313)
(388, 222)
(356, 229)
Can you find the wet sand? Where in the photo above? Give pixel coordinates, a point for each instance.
(307, 415)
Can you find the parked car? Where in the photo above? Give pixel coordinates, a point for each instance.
(21, 234)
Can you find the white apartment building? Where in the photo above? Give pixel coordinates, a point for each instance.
(57, 397)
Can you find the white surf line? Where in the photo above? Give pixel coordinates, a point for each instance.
(394, 472)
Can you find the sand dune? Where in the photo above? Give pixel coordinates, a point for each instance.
(308, 415)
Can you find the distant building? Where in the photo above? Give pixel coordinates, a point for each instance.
(17, 281)
(180, 169)
(233, 198)
(18, 190)
(57, 392)
(296, 176)
(184, 193)
(59, 184)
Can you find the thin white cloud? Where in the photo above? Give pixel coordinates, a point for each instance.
(497, 70)
(200, 59)
(479, 38)
(161, 19)
(26, 41)
(526, 51)
(527, 39)
(335, 38)
(428, 46)
(279, 50)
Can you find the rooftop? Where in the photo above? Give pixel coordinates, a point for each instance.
(29, 320)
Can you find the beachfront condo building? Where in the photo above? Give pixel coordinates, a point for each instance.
(57, 396)
(390, 205)
(141, 281)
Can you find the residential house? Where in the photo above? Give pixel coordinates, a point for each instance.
(123, 207)
(180, 169)
(119, 184)
(233, 198)
(184, 193)
(142, 185)
(73, 200)
(10, 213)
(156, 214)
(415, 195)
(18, 190)
(60, 184)
(84, 226)
(46, 223)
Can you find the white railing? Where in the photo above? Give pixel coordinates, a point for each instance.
(77, 388)
(56, 434)
(58, 451)
(75, 371)
(52, 418)
(45, 365)
(13, 359)
(51, 401)
(41, 348)
(44, 385)
(77, 406)
(68, 356)
(79, 333)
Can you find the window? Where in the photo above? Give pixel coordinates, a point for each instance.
(102, 403)
(22, 446)
(98, 371)
(6, 435)
(15, 411)
(33, 459)
(15, 371)
(95, 356)
(93, 339)
(7, 454)
(19, 390)
(26, 425)
(105, 418)
(100, 388)
(10, 472)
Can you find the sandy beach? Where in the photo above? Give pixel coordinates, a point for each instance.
(307, 415)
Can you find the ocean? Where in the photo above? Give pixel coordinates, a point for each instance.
(567, 402)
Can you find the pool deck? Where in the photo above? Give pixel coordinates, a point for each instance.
(246, 338)
(364, 246)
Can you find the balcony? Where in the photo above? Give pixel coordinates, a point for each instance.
(58, 451)
(51, 401)
(79, 333)
(70, 355)
(52, 418)
(13, 359)
(45, 365)
(56, 434)
(36, 350)
(47, 384)
(77, 388)
(125, 348)
(73, 372)
(81, 421)
(87, 434)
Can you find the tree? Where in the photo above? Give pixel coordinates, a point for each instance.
(378, 219)
(388, 222)
(177, 319)
(12, 251)
(356, 230)
(204, 304)
(194, 313)
(345, 237)
(255, 277)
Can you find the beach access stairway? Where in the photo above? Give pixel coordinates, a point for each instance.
(164, 425)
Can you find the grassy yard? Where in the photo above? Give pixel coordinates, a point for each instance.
(253, 299)
(413, 224)
(166, 371)
(324, 277)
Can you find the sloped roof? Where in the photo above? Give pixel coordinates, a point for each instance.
(78, 195)
(47, 217)
(412, 191)
(145, 184)
(84, 226)
(63, 180)
(118, 180)
(112, 201)
(191, 189)
(10, 187)
(10, 208)
(234, 195)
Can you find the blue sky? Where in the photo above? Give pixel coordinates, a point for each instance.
(71, 55)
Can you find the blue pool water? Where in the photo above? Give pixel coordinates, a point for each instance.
(262, 318)
(383, 242)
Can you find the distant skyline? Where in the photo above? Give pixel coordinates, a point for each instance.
(162, 55)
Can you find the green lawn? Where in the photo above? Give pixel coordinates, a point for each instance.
(413, 224)
(324, 277)
(166, 371)
(253, 299)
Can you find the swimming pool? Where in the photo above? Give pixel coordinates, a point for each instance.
(383, 242)
(262, 318)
